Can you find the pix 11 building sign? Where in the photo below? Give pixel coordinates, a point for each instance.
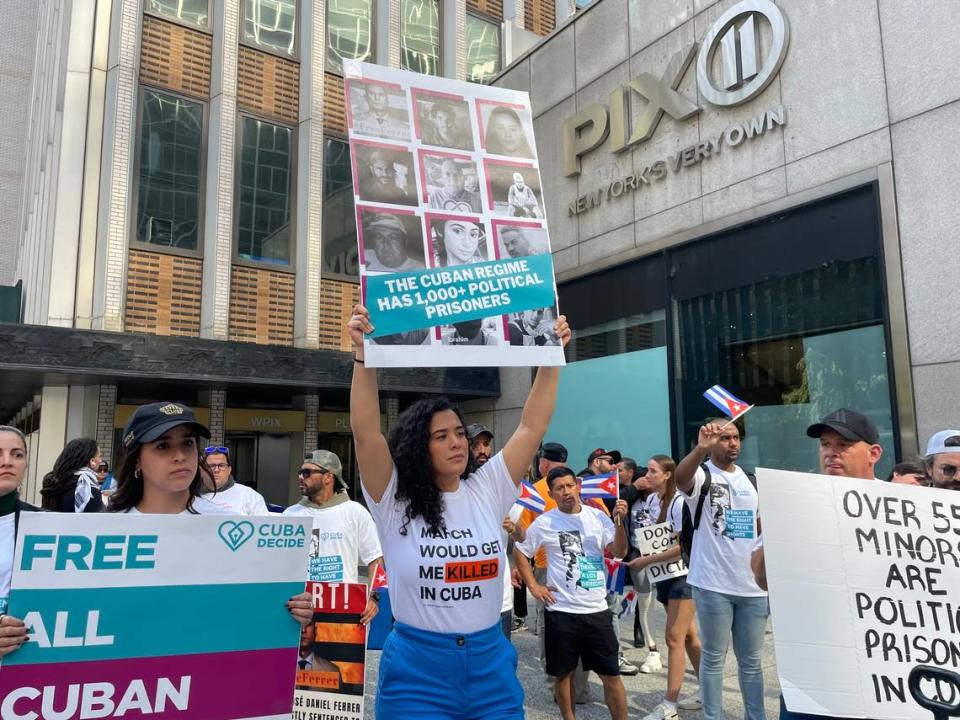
(455, 261)
(734, 64)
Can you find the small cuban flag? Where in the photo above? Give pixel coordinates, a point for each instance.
(728, 403)
(616, 575)
(628, 603)
(379, 579)
(531, 499)
(601, 486)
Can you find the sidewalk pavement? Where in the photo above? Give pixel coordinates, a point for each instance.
(644, 691)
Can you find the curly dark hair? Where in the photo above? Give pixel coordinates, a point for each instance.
(129, 490)
(409, 443)
(75, 455)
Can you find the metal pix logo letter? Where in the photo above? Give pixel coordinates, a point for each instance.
(235, 534)
(734, 35)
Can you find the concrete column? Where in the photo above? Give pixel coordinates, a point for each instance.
(392, 406)
(116, 172)
(309, 229)
(54, 401)
(393, 35)
(311, 427)
(218, 402)
(106, 411)
(221, 145)
(454, 40)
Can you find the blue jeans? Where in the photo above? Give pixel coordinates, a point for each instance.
(746, 619)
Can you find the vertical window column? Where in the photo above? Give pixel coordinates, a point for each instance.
(420, 36)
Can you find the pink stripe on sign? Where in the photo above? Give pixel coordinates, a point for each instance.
(214, 686)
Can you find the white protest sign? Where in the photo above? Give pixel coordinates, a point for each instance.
(455, 260)
(864, 581)
(656, 539)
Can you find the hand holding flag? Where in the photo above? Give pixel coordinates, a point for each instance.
(728, 403)
(616, 575)
(531, 499)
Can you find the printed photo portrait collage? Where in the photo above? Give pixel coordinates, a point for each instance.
(444, 179)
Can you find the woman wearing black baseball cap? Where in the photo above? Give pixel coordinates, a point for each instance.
(160, 472)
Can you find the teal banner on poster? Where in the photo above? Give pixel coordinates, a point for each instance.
(400, 302)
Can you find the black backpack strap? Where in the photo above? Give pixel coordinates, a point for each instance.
(704, 489)
(753, 479)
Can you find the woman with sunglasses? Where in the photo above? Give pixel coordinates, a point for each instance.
(439, 519)
(13, 467)
(161, 472)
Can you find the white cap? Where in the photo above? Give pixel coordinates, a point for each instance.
(938, 443)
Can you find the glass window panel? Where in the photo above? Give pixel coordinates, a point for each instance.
(786, 313)
(339, 219)
(271, 24)
(168, 193)
(266, 198)
(483, 49)
(349, 32)
(420, 36)
(190, 12)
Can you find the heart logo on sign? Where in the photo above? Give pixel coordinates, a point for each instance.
(235, 534)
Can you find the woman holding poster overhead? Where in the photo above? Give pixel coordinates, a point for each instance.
(13, 466)
(439, 520)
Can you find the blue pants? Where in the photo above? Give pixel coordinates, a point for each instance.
(745, 618)
(436, 676)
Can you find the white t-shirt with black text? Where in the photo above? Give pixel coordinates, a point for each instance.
(7, 539)
(720, 559)
(343, 538)
(449, 582)
(574, 543)
(239, 500)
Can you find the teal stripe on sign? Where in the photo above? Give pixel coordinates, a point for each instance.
(155, 621)
(406, 301)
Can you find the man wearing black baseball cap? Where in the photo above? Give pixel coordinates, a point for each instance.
(849, 444)
(601, 461)
(849, 447)
(481, 442)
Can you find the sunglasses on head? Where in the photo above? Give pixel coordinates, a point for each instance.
(214, 450)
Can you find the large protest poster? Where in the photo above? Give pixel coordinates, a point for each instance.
(455, 261)
(331, 663)
(154, 615)
(864, 578)
(654, 540)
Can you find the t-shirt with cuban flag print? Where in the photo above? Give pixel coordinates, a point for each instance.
(448, 582)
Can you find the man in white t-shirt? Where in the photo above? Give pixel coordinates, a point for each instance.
(230, 495)
(344, 536)
(577, 622)
(849, 446)
(726, 595)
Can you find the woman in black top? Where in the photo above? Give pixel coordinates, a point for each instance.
(72, 485)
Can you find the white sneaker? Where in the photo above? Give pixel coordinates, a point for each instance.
(662, 712)
(691, 702)
(652, 663)
(628, 668)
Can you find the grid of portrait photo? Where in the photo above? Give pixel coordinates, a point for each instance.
(446, 174)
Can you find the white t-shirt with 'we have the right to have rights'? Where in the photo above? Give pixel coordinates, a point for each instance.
(722, 545)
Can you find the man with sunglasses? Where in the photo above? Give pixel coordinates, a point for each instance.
(942, 460)
(223, 490)
(344, 535)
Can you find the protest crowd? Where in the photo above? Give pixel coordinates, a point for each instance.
(529, 529)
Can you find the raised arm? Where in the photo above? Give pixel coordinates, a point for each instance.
(537, 411)
(373, 455)
(708, 437)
